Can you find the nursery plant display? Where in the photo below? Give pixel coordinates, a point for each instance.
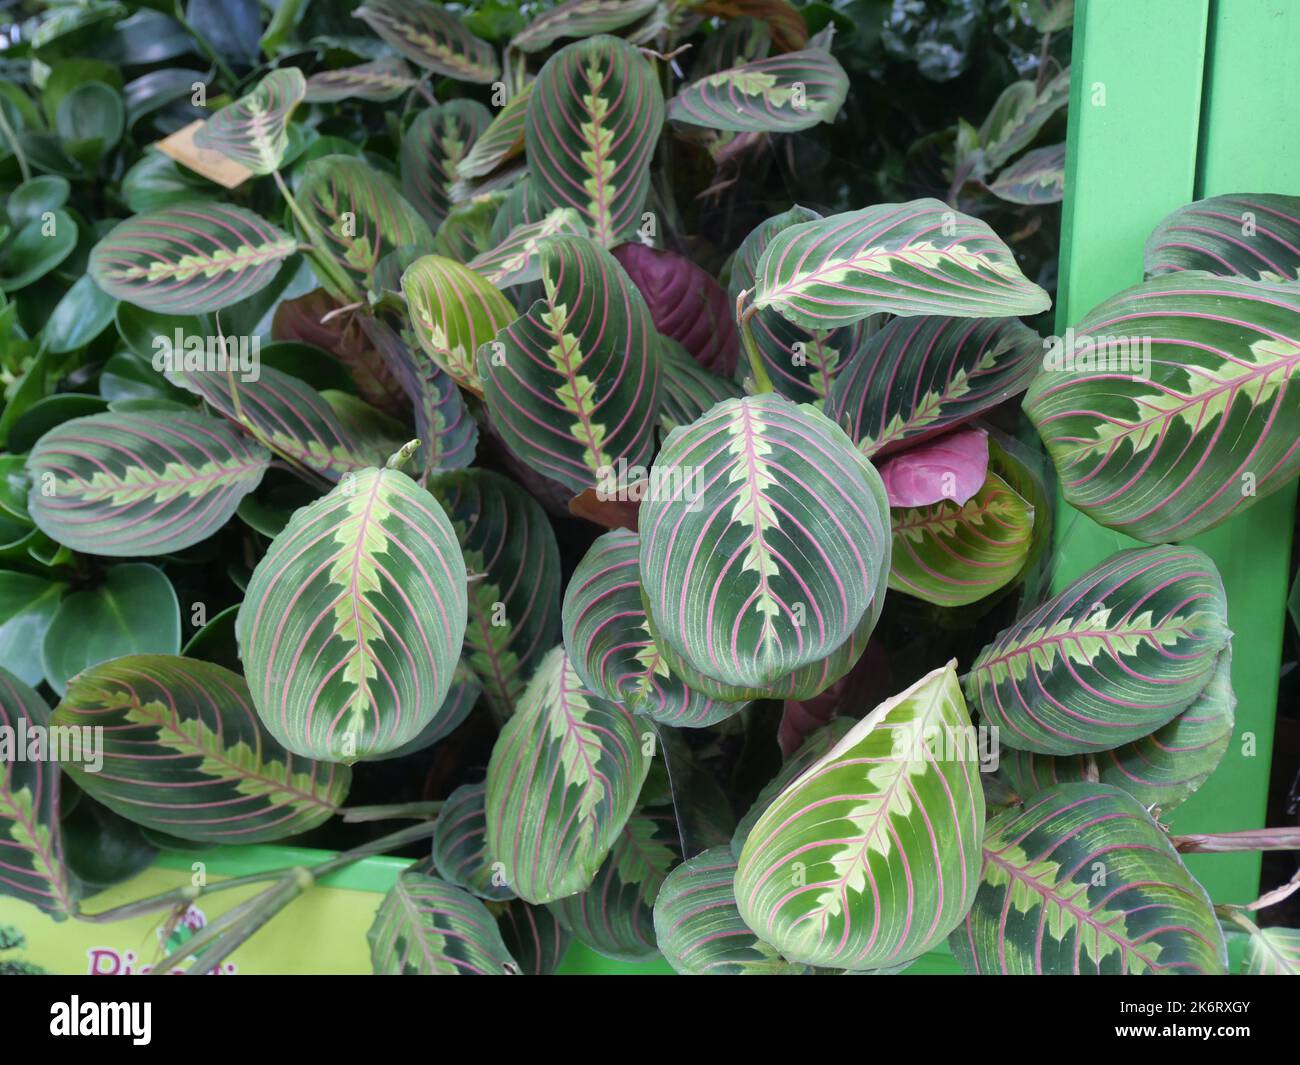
(688, 595)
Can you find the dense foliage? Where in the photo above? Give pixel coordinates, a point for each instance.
(521, 419)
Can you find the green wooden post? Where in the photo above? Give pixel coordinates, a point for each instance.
(1173, 100)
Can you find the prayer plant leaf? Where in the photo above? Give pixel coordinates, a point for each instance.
(431, 37)
(254, 130)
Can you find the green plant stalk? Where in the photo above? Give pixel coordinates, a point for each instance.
(12, 138)
(183, 896)
(420, 811)
(227, 75)
(1255, 839)
(319, 254)
(762, 382)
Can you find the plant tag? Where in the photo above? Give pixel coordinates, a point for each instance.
(211, 164)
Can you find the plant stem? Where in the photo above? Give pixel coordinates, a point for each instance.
(228, 75)
(762, 382)
(420, 811)
(12, 138)
(320, 255)
(1255, 839)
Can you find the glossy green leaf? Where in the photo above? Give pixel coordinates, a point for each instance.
(1036, 178)
(573, 385)
(352, 624)
(952, 370)
(911, 258)
(1251, 235)
(501, 141)
(699, 928)
(779, 94)
(802, 363)
(254, 130)
(189, 259)
(285, 415)
(27, 606)
(1273, 952)
(1167, 410)
(454, 311)
(594, 119)
(37, 248)
(32, 866)
(514, 598)
(1159, 770)
(564, 776)
(579, 18)
(1080, 880)
(140, 484)
(872, 856)
(380, 80)
(431, 37)
(133, 610)
(609, 646)
(761, 543)
(1120, 652)
(426, 927)
(516, 258)
(360, 213)
(432, 150)
(184, 753)
(460, 844)
(615, 915)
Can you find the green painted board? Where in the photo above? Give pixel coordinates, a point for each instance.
(1173, 100)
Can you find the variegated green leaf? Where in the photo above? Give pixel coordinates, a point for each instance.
(447, 431)
(872, 856)
(762, 542)
(1273, 952)
(352, 623)
(1036, 178)
(688, 388)
(1080, 880)
(431, 37)
(1251, 235)
(140, 484)
(460, 844)
(533, 936)
(594, 119)
(609, 644)
(466, 232)
(514, 597)
(184, 753)
(779, 94)
(188, 259)
(573, 385)
(501, 141)
(432, 150)
(699, 928)
(919, 377)
(615, 915)
(381, 80)
(285, 415)
(516, 259)
(1120, 652)
(1018, 116)
(454, 311)
(360, 214)
(254, 130)
(31, 845)
(1168, 408)
(564, 776)
(579, 18)
(426, 927)
(951, 553)
(815, 747)
(801, 363)
(1160, 770)
(907, 259)
(736, 42)
(456, 707)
